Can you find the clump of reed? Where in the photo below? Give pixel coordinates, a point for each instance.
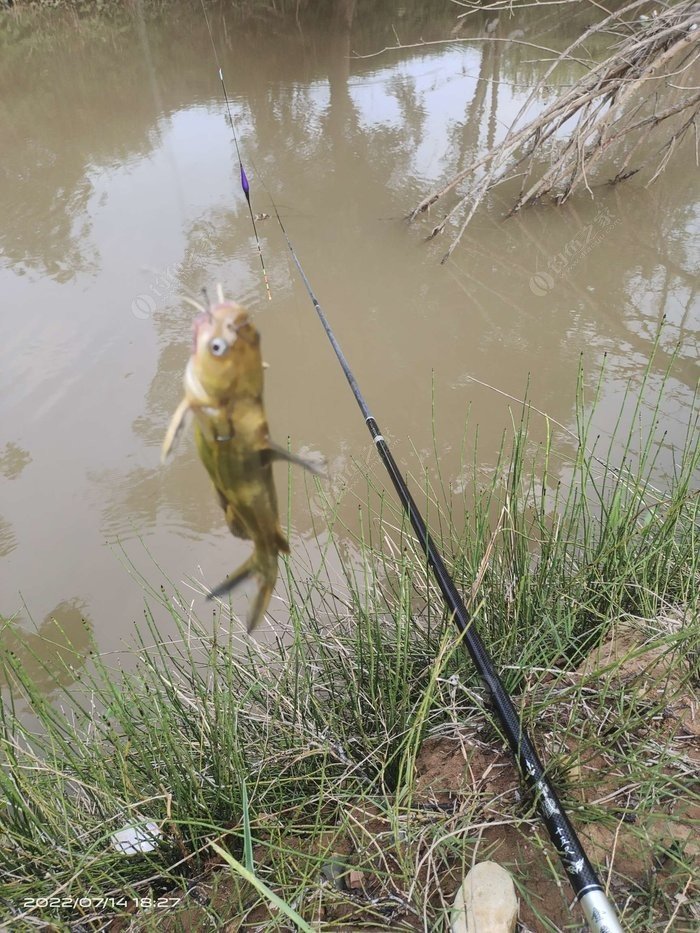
(287, 776)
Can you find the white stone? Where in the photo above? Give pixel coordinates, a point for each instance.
(486, 902)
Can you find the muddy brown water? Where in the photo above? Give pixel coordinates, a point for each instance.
(119, 193)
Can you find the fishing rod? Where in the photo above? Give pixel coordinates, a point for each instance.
(589, 892)
(599, 912)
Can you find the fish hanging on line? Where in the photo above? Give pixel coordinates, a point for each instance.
(224, 391)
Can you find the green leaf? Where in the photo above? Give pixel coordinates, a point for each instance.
(263, 889)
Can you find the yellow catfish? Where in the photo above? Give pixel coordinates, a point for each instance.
(224, 391)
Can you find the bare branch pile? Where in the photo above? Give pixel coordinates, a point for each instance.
(646, 80)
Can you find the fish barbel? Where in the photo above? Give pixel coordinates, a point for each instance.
(224, 392)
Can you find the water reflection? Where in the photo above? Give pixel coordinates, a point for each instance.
(13, 459)
(53, 654)
(120, 194)
(8, 542)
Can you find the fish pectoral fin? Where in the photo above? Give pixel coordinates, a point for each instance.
(182, 415)
(274, 452)
(238, 576)
(281, 541)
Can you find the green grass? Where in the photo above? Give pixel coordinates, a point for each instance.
(302, 763)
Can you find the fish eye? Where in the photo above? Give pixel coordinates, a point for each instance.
(218, 346)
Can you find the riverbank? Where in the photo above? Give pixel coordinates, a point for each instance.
(349, 765)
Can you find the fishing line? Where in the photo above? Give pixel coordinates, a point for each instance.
(160, 110)
(599, 912)
(244, 178)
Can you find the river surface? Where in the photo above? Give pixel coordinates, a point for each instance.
(119, 192)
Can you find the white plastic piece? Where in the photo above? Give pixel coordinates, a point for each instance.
(137, 838)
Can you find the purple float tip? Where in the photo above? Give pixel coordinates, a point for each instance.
(244, 182)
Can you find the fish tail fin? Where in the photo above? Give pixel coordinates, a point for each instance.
(261, 601)
(238, 576)
(262, 564)
(266, 575)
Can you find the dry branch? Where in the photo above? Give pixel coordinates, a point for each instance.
(651, 64)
